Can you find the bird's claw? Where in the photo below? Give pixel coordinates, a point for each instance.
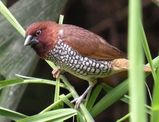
(56, 72)
(81, 98)
(77, 101)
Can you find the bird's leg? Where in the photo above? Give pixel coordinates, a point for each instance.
(81, 98)
(56, 72)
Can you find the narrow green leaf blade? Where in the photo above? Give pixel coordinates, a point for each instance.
(56, 115)
(11, 114)
(136, 73)
(11, 82)
(11, 19)
(93, 97)
(155, 102)
(111, 97)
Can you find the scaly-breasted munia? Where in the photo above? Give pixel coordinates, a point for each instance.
(76, 50)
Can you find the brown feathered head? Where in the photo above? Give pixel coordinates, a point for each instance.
(40, 36)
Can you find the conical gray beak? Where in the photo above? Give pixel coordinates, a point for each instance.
(28, 40)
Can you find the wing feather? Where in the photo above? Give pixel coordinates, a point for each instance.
(89, 44)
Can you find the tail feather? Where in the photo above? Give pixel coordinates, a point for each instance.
(122, 64)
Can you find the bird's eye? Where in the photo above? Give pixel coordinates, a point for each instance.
(38, 32)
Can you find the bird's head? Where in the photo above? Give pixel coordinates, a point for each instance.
(41, 36)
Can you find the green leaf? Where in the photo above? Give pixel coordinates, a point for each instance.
(55, 115)
(11, 19)
(155, 102)
(136, 59)
(61, 18)
(11, 82)
(55, 104)
(111, 97)
(66, 100)
(57, 90)
(11, 114)
(93, 97)
(80, 117)
(124, 118)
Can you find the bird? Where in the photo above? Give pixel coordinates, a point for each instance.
(76, 50)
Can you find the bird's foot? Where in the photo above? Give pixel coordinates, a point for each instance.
(78, 101)
(81, 98)
(56, 72)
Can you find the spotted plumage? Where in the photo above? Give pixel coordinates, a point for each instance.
(71, 61)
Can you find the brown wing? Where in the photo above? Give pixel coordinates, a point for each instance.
(89, 44)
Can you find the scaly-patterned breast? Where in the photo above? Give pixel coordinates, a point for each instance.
(71, 61)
